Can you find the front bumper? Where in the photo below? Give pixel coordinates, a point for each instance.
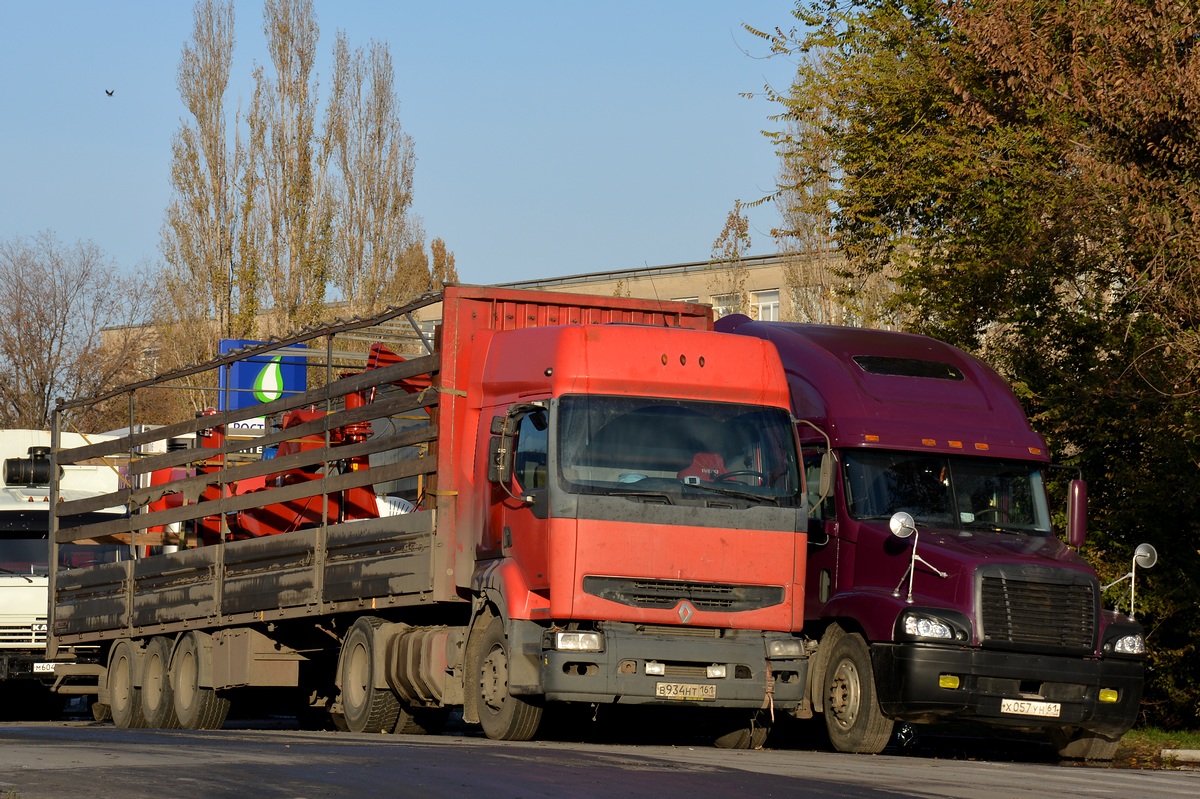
(23, 665)
(907, 682)
(618, 674)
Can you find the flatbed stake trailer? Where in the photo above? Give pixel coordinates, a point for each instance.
(561, 499)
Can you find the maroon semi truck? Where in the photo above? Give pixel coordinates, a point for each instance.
(992, 619)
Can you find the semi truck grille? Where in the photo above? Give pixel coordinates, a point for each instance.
(13, 635)
(1035, 611)
(669, 593)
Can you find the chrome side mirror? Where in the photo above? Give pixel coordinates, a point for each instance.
(1145, 556)
(902, 524)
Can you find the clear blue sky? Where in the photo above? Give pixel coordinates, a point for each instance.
(552, 138)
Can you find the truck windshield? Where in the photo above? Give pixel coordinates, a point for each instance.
(682, 447)
(30, 555)
(947, 492)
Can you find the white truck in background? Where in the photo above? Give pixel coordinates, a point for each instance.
(25, 676)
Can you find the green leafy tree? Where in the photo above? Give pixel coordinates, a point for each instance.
(1027, 172)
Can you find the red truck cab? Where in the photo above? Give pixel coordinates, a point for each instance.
(969, 607)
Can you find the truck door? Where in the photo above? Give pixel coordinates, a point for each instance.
(522, 494)
(823, 530)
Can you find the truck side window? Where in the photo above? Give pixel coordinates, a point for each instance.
(812, 481)
(530, 451)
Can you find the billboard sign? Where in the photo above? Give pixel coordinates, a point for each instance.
(253, 381)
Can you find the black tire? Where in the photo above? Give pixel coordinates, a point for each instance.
(1076, 744)
(125, 698)
(196, 707)
(852, 715)
(158, 701)
(366, 708)
(504, 717)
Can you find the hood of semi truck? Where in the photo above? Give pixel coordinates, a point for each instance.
(1031, 586)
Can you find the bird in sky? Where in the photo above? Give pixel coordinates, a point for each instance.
(109, 92)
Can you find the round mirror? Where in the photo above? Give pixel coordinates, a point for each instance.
(1145, 556)
(903, 526)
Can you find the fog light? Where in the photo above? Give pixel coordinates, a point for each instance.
(1108, 696)
(948, 681)
(716, 672)
(655, 669)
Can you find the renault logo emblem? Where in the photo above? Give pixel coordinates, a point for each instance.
(686, 611)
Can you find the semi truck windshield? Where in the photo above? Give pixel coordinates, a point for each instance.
(620, 444)
(947, 492)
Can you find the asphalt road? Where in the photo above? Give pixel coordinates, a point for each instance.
(73, 760)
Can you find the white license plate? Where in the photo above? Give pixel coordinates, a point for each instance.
(685, 690)
(43, 668)
(1022, 707)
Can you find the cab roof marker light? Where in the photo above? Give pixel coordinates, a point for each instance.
(929, 442)
(981, 447)
(874, 439)
(955, 444)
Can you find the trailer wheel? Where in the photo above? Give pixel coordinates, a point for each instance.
(197, 707)
(366, 708)
(1076, 744)
(125, 697)
(504, 717)
(852, 715)
(158, 702)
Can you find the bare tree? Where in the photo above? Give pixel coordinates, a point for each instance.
(727, 272)
(289, 199)
(442, 271)
(378, 245)
(204, 280)
(56, 302)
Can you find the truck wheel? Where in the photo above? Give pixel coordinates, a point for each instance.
(197, 707)
(158, 702)
(366, 708)
(1076, 744)
(504, 717)
(852, 715)
(125, 698)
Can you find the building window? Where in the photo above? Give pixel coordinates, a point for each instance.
(724, 304)
(764, 305)
(686, 299)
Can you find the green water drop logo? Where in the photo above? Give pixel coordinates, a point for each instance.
(268, 385)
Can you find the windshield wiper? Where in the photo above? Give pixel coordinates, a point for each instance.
(735, 492)
(653, 494)
(19, 574)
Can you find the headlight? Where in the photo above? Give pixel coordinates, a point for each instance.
(927, 627)
(785, 648)
(1130, 645)
(574, 641)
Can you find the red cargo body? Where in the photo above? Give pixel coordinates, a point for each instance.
(499, 516)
